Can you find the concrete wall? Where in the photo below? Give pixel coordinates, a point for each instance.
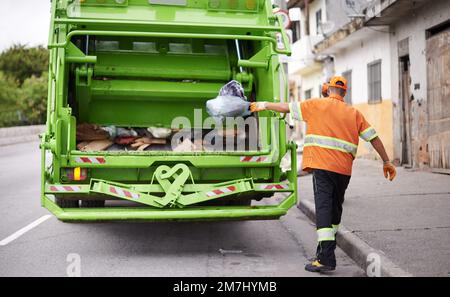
(13, 135)
(414, 29)
(339, 10)
(311, 81)
(373, 46)
(313, 8)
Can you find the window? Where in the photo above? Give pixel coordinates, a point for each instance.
(318, 21)
(296, 31)
(350, 4)
(348, 76)
(308, 94)
(374, 81)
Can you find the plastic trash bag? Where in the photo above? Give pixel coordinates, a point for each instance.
(114, 132)
(231, 102)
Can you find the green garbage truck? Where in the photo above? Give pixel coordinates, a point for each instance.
(139, 65)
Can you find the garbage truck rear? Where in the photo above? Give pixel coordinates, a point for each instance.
(149, 63)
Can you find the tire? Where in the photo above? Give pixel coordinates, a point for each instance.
(92, 203)
(66, 203)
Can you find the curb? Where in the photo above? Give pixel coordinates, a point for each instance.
(356, 248)
(15, 135)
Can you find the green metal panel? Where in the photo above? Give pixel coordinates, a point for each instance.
(139, 63)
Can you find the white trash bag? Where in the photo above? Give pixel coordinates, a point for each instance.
(231, 102)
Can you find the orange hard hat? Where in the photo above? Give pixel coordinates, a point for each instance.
(325, 89)
(338, 82)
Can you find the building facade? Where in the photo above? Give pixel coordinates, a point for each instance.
(396, 57)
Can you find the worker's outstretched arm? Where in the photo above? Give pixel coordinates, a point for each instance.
(260, 106)
(389, 169)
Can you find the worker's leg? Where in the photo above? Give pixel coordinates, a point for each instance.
(340, 186)
(340, 183)
(323, 197)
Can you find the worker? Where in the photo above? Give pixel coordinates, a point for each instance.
(331, 142)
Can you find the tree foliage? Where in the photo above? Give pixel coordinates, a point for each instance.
(23, 85)
(21, 62)
(32, 99)
(8, 88)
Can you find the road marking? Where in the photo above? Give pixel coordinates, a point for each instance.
(24, 230)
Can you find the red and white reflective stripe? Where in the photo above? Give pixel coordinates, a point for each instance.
(65, 188)
(90, 160)
(274, 187)
(221, 191)
(253, 159)
(124, 193)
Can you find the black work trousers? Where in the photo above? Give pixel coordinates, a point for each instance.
(329, 191)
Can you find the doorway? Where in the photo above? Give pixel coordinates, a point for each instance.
(405, 82)
(438, 86)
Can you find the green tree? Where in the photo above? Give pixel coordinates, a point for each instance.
(21, 62)
(9, 111)
(32, 99)
(8, 89)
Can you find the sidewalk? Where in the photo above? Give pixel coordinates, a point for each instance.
(408, 219)
(14, 135)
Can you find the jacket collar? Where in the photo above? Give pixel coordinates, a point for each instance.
(337, 97)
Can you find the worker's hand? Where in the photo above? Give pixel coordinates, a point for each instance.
(258, 106)
(389, 170)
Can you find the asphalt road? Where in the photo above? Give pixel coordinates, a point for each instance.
(51, 248)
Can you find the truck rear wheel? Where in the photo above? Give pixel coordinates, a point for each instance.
(66, 203)
(92, 203)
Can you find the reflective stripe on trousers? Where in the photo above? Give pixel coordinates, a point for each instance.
(325, 234)
(335, 228)
(331, 143)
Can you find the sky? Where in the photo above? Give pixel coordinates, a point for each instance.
(24, 21)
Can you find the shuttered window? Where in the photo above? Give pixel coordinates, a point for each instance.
(319, 22)
(374, 81)
(308, 94)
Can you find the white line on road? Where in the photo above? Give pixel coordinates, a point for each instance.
(24, 230)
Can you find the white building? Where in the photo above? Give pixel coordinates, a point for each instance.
(420, 78)
(305, 70)
(395, 54)
(363, 57)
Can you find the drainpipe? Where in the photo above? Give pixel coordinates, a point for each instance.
(306, 17)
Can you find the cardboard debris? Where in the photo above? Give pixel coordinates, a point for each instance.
(188, 146)
(127, 140)
(95, 146)
(81, 145)
(143, 147)
(89, 132)
(144, 142)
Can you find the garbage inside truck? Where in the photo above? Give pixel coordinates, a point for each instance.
(128, 115)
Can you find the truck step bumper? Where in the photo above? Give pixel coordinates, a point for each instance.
(264, 212)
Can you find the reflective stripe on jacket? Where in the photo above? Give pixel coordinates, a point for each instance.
(332, 134)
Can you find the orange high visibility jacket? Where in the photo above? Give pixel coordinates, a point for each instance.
(332, 133)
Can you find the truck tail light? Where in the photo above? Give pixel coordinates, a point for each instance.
(77, 174)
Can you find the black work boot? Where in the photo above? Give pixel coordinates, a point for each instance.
(316, 266)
